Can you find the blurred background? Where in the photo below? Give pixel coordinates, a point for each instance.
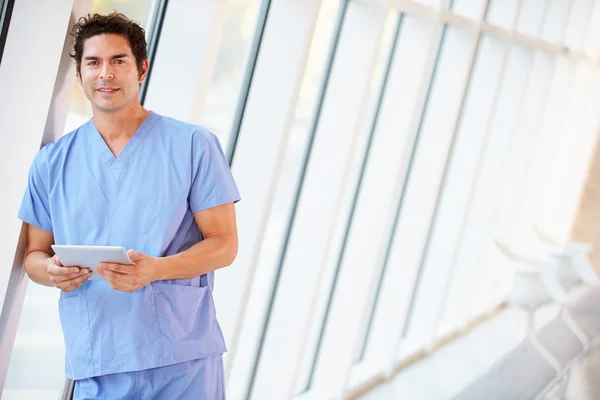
(420, 181)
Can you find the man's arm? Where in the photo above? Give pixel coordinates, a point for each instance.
(38, 254)
(218, 249)
(44, 268)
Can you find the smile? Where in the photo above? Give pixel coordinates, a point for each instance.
(108, 90)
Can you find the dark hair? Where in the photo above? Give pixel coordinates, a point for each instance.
(115, 23)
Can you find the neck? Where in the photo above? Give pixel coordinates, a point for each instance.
(121, 124)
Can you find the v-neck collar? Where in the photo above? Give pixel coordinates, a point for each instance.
(117, 165)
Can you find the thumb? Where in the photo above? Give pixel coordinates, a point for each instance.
(134, 255)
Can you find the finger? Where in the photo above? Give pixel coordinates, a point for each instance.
(54, 269)
(121, 282)
(59, 279)
(76, 284)
(124, 287)
(111, 275)
(114, 283)
(56, 266)
(135, 255)
(73, 284)
(57, 260)
(64, 279)
(118, 268)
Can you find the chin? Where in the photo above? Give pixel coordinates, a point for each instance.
(108, 106)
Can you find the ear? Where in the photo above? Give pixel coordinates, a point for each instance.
(144, 71)
(78, 73)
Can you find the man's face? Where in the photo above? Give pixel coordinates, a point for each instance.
(109, 75)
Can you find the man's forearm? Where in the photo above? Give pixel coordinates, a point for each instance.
(36, 266)
(212, 253)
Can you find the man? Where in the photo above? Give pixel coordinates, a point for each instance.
(160, 187)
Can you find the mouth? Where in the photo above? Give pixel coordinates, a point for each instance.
(107, 90)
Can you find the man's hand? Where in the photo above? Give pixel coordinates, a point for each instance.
(66, 278)
(128, 278)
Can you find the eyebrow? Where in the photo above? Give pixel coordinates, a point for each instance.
(112, 58)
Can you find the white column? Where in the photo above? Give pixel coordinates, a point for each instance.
(36, 108)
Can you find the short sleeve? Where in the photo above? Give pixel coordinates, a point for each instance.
(212, 181)
(35, 208)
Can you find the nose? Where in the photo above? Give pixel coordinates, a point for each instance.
(106, 72)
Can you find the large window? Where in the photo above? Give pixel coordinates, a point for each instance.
(381, 149)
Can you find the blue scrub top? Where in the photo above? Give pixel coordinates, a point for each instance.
(144, 199)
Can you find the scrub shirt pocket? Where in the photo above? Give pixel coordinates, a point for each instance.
(195, 281)
(75, 326)
(188, 321)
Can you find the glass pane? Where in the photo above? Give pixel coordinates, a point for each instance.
(505, 223)
(223, 93)
(592, 38)
(435, 4)
(36, 369)
(333, 256)
(531, 17)
(463, 169)
(502, 13)
(513, 193)
(556, 17)
(436, 138)
(543, 156)
(409, 77)
(495, 275)
(285, 193)
(577, 25)
(473, 9)
(571, 149)
(333, 7)
(478, 235)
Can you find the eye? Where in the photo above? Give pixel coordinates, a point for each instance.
(92, 63)
(119, 62)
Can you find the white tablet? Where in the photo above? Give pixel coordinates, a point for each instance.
(90, 256)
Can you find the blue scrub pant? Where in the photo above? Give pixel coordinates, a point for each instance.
(200, 379)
